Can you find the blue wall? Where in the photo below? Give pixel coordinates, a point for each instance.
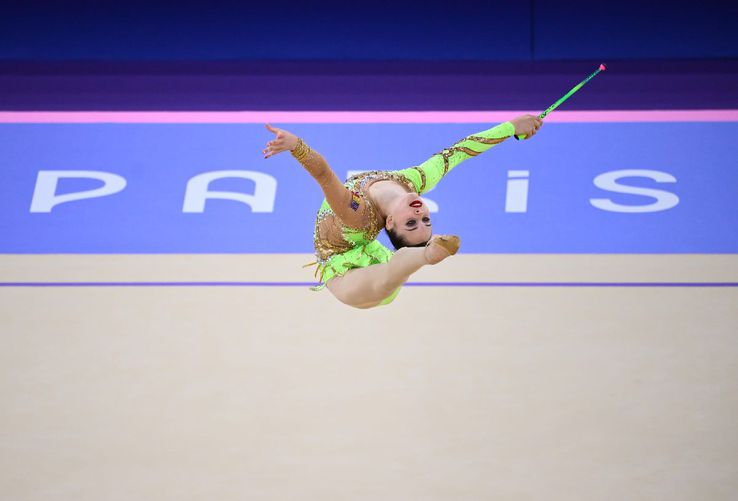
(431, 30)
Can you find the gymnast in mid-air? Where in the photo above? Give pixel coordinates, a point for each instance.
(352, 264)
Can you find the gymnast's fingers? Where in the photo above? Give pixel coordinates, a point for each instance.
(273, 148)
(537, 125)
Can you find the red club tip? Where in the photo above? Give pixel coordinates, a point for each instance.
(602, 67)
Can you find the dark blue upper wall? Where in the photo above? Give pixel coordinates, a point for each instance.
(283, 29)
(679, 29)
(379, 30)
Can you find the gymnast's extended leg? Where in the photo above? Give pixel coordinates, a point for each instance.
(368, 287)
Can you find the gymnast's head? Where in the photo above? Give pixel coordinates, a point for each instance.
(408, 222)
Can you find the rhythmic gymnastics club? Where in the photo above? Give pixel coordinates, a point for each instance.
(566, 96)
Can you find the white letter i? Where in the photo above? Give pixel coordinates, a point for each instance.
(516, 199)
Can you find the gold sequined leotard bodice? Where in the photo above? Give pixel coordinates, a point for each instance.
(333, 237)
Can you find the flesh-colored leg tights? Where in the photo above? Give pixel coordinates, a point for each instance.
(367, 287)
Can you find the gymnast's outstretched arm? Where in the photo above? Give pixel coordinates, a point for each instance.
(427, 175)
(350, 209)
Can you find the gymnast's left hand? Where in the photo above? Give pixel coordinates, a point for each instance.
(283, 141)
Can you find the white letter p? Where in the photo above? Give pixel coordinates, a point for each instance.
(45, 197)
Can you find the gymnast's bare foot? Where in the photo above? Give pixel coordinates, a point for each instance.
(440, 247)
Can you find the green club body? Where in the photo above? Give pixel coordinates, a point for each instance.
(566, 96)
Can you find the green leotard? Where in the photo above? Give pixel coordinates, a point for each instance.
(340, 248)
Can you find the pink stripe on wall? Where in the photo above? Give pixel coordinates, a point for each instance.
(282, 117)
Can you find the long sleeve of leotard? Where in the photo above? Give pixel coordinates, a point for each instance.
(427, 175)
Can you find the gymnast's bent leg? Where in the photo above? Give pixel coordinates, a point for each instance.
(370, 286)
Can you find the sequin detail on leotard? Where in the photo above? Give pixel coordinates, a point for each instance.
(333, 238)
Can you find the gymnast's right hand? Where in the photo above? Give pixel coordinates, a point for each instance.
(526, 125)
(283, 141)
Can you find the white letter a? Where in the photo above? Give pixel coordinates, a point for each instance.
(261, 201)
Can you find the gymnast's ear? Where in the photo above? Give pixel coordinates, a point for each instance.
(389, 223)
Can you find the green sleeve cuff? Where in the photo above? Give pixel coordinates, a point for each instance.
(508, 129)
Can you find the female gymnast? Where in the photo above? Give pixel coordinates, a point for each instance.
(352, 264)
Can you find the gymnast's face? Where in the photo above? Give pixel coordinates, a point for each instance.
(410, 218)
